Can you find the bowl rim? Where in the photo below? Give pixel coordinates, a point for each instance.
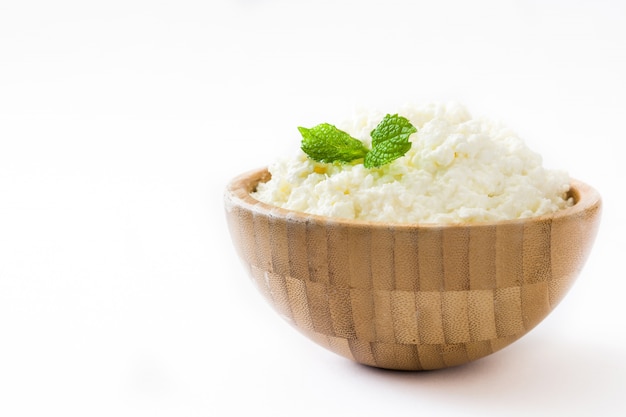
(239, 189)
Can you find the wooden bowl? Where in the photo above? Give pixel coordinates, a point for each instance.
(410, 296)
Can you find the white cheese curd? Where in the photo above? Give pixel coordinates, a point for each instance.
(459, 169)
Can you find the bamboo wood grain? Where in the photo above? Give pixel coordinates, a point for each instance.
(408, 296)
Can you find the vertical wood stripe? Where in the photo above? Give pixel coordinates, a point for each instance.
(536, 252)
(482, 258)
(359, 258)
(296, 290)
(453, 355)
(317, 253)
(430, 260)
(477, 350)
(320, 311)
(508, 311)
(262, 246)
(509, 250)
(296, 250)
(338, 253)
(404, 317)
(383, 317)
(430, 357)
(481, 315)
(406, 266)
(362, 306)
(382, 259)
(406, 357)
(279, 246)
(429, 317)
(244, 240)
(455, 317)
(341, 313)
(455, 251)
(535, 303)
(566, 246)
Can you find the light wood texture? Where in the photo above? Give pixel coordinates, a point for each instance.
(404, 296)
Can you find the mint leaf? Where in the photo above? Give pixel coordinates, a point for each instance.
(326, 143)
(390, 141)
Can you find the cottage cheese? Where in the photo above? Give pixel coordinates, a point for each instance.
(459, 169)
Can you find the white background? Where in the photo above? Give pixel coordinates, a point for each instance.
(122, 121)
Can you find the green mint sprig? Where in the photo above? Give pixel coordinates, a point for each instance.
(390, 141)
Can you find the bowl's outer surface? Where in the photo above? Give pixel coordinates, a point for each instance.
(404, 296)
